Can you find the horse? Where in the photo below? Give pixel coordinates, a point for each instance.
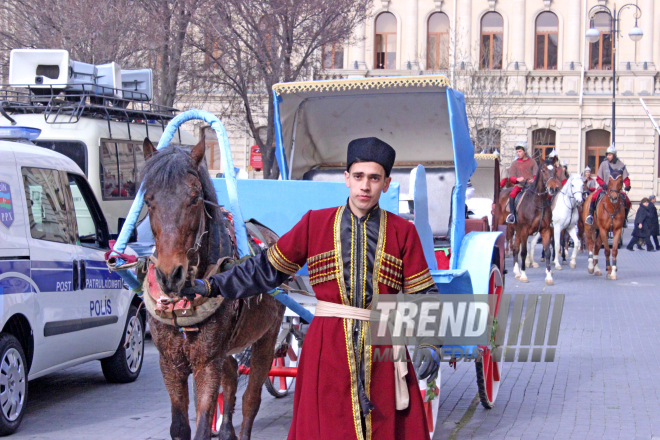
(565, 216)
(609, 217)
(535, 215)
(504, 203)
(185, 219)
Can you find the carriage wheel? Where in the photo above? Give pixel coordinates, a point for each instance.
(489, 371)
(279, 386)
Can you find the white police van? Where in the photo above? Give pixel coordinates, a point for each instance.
(59, 304)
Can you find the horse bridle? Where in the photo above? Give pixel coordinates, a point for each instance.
(201, 231)
(619, 204)
(571, 195)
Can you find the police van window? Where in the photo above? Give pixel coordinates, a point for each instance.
(120, 166)
(84, 212)
(74, 150)
(46, 203)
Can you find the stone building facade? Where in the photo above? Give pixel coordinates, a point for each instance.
(539, 49)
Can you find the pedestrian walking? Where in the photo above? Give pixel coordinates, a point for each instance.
(654, 229)
(642, 226)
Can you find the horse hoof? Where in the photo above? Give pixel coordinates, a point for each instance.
(524, 280)
(598, 273)
(557, 267)
(590, 270)
(550, 282)
(517, 276)
(564, 262)
(542, 260)
(573, 265)
(535, 265)
(612, 276)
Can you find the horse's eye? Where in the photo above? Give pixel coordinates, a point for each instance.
(194, 199)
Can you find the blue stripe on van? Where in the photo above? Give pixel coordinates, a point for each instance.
(20, 266)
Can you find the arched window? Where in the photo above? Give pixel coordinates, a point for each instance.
(437, 55)
(547, 38)
(492, 27)
(597, 143)
(385, 41)
(544, 142)
(488, 140)
(600, 52)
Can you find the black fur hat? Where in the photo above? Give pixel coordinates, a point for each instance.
(371, 149)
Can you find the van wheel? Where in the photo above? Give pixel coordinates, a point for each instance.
(13, 384)
(124, 366)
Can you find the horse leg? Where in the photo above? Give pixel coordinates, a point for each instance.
(557, 237)
(530, 260)
(515, 249)
(546, 234)
(207, 381)
(606, 247)
(263, 352)
(176, 382)
(615, 252)
(564, 245)
(597, 245)
(523, 256)
(229, 384)
(576, 244)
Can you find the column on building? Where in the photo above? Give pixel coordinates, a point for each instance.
(464, 33)
(646, 23)
(358, 50)
(518, 37)
(411, 55)
(574, 36)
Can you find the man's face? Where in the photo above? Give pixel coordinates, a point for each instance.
(366, 181)
(610, 157)
(520, 153)
(587, 174)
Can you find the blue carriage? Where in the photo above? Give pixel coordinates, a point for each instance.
(425, 121)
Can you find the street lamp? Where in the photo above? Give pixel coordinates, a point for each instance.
(593, 35)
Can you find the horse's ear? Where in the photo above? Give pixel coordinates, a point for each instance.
(198, 151)
(148, 148)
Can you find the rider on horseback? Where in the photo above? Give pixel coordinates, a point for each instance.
(561, 173)
(589, 181)
(613, 163)
(521, 171)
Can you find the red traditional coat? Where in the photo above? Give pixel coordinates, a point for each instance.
(350, 260)
(526, 168)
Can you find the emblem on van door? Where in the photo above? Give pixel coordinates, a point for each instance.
(6, 208)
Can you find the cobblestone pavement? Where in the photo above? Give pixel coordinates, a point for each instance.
(603, 384)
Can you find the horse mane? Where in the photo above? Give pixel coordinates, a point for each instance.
(165, 169)
(538, 172)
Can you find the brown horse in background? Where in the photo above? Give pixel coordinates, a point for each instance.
(609, 217)
(535, 215)
(504, 203)
(183, 212)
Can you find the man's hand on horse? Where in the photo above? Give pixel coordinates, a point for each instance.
(198, 287)
(520, 179)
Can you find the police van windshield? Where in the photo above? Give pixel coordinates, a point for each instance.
(74, 150)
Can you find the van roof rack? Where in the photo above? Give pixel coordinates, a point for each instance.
(61, 105)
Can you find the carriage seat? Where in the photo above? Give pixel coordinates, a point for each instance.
(440, 182)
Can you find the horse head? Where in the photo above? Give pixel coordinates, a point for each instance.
(576, 186)
(546, 178)
(615, 185)
(177, 185)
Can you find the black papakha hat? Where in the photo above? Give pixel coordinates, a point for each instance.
(371, 149)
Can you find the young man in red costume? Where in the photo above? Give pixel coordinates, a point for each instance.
(521, 171)
(353, 253)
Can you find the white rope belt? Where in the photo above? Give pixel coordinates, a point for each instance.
(326, 309)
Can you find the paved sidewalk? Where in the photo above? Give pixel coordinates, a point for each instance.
(604, 383)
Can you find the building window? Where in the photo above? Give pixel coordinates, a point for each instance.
(488, 140)
(492, 27)
(597, 143)
(386, 41)
(547, 38)
(333, 56)
(437, 56)
(600, 56)
(544, 142)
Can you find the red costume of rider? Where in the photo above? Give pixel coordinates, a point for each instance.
(521, 171)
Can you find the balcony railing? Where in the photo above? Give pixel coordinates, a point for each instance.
(528, 83)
